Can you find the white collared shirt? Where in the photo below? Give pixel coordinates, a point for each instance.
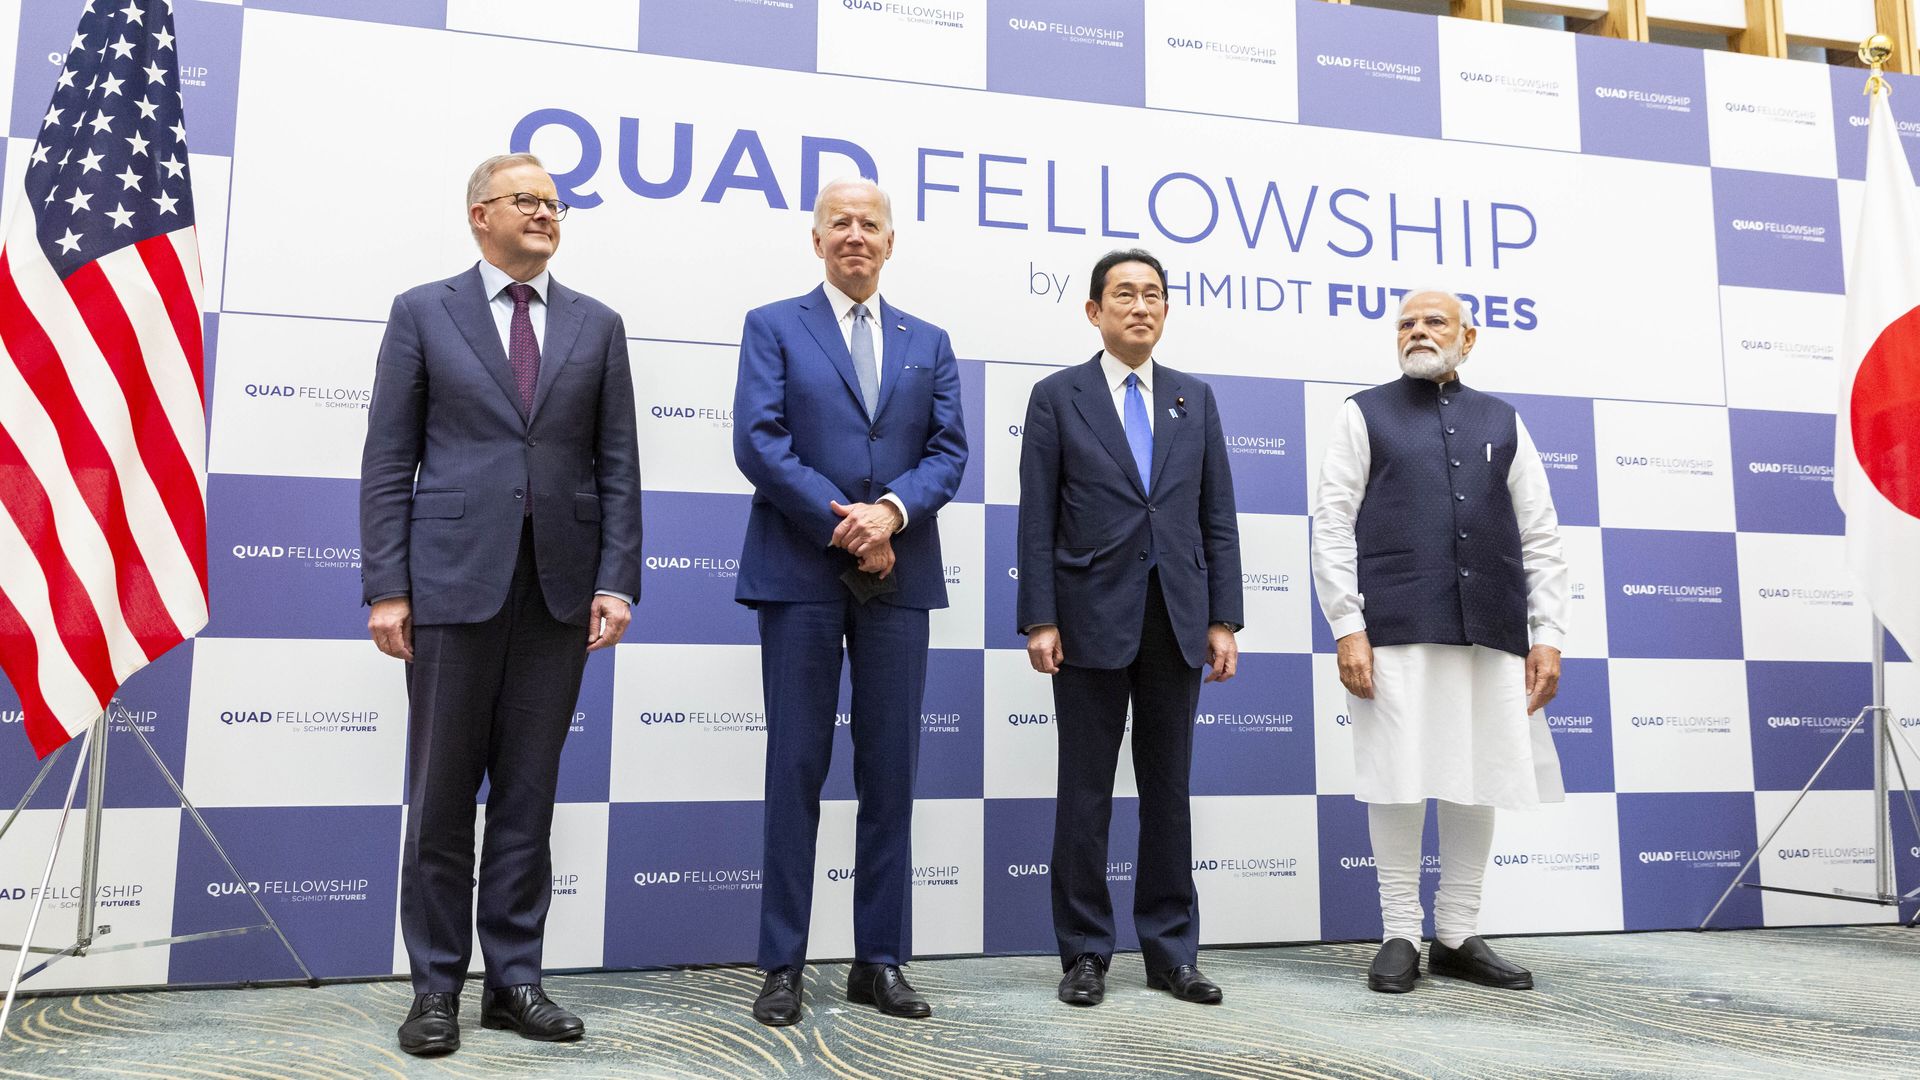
(1116, 374)
(495, 281)
(1336, 552)
(843, 315)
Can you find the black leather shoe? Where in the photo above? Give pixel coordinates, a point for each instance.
(1085, 983)
(1475, 962)
(1395, 967)
(885, 987)
(433, 1025)
(779, 1002)
(1186, 983)
(527, 1010)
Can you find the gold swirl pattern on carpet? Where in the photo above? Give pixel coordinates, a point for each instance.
(1817, 1002)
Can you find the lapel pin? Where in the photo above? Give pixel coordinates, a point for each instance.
(900, 326)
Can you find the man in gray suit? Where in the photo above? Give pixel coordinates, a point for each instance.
(500, 536)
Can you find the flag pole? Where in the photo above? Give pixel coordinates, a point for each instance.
(1874, 52)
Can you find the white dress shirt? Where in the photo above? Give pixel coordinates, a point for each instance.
(495, 281)
(1336, 506)
(1116, 374)
(500, 305)
(843, 314)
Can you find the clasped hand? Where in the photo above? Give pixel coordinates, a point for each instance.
(866, 531)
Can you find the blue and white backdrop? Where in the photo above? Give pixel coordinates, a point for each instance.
(1654, 238)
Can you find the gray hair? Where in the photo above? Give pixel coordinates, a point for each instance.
(820, 200)
(1466, 309)
(483, 174)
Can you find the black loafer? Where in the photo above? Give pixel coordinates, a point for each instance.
(779, 1002)
(1476, 963)
(527, 1010)
(1186, 983)
(885, 987)
(1085, 983)
(1395, 967)
(433, 1025)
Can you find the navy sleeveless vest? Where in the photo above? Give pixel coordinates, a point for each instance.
(1439, 546)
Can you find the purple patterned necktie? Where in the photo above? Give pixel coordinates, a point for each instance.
(523, 349)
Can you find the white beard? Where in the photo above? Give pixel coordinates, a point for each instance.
(1429, 363)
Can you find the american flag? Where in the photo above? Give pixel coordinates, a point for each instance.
(103, 552)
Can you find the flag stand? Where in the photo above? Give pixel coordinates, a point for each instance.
(1882, 733)
(93, 749)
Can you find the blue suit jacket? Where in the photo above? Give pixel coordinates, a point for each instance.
(802, 436)
(1087, 524)
(444, 404)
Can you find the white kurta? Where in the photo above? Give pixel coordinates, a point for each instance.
(1446, 721)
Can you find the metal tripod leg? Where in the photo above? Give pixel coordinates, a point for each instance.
(207, 831)
(46, 767)
(1797, 799)
(46, 876)
(93, 751)
(1906, 792)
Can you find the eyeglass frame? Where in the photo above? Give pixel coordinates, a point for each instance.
(554, 206)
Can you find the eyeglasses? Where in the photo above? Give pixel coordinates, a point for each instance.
(528, 203)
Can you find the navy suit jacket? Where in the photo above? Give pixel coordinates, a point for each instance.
(445, 405)
(802, 437)
(1087, 524)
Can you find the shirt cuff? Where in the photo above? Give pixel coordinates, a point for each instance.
(1347, 624)
(620, 596)
(890, 497)
(1550, 636)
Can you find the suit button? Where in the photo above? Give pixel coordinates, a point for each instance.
(1443, 401)
(1456, 463)
(873, 436)
(1449, 431)
(518, 494)
(866, 479)
(1152, 509)
(533, 442)
(1460, 498)
(1464, 572)
(1143, 556)
(1463, 534)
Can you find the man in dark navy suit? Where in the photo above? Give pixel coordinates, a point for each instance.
(1129, 582)
(500, 530)
(846, 418)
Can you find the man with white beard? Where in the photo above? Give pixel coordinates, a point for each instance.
(1436, 552)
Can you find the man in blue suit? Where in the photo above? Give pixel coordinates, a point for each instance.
(846, 418)
(1129, 582)
(500, 537)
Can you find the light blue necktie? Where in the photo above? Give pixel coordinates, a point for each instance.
(1139, 431)
(864, 370)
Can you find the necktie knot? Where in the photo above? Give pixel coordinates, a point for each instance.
(860, 312)
(521, 293)
(1133, 380)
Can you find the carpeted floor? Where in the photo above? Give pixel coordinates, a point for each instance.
(1776, 1003)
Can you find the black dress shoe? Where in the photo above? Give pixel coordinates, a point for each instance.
(1475, 962)
(433, 1025)
(1085, 983)
(1186, 983)
(779, 1002)
(1395, 967)
(527, 1010)
(884, 987)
